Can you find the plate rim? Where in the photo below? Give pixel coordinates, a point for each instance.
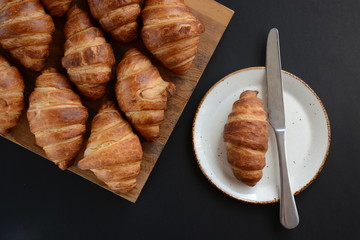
(261, 68)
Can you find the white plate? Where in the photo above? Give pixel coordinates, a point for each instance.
(308, 135)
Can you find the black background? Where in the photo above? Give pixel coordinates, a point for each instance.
(319, 43)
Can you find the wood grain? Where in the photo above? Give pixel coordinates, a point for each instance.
(215, 18)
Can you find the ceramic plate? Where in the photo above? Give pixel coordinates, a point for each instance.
(307, 136)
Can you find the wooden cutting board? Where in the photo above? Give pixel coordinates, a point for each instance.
(215, 18)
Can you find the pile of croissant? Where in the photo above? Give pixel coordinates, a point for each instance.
(56, 115)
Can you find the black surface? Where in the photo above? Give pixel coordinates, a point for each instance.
(319, 43)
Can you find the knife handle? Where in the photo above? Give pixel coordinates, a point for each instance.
(289, 217)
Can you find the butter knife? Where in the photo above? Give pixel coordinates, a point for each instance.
(289, 217)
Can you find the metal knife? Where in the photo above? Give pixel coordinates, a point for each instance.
(289, 217)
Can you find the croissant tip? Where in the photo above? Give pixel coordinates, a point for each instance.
(62, 165)
(36, 68)
(171, 89)
(73, 10)
(93, 94)
(80, 165)
(107, 104)
(131, 51)
(249, 93)
(49, 70)
(246, 181)
(151, 138)
(179, 71)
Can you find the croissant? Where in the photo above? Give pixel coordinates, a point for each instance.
(113, 152)
(11, 95)
(56, 118)
(25, 30)
(119, 17)
(246, 137)
(88, 57)
(171, 33)
(57, 7)
(142, 94)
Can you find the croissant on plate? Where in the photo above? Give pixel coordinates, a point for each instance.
(113, 152)
(25, 30)
(119, 17)
(246, 137)
(171, 33)
(57, 7)
(88, 57)
(11, 95)
(142, 94)
(57, 118)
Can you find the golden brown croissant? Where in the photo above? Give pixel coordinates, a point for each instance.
(119, 17)
(142, 94)
(11, 95)
(171, 33)
(88, 57)
(57, 118)
(25, 30)
(246, 137)
(57, 7)
(113, 152)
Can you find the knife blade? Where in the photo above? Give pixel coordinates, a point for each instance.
(289, 217)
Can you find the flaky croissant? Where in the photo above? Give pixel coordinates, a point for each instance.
(11, 95)
(57, 7)
(246, 137)
(142, 94)
(88, 57)
(113, 152)
(171, 33)
(57, 118)
(119, 17)
(26, 30)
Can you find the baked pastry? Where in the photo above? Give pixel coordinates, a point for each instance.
(113, 152)
(171, 33)
(142, 94)
(11, 95)
(119, 17)
(57, 118)
(57, 7)
(25, 30)
(88, 57)
(246, 137)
